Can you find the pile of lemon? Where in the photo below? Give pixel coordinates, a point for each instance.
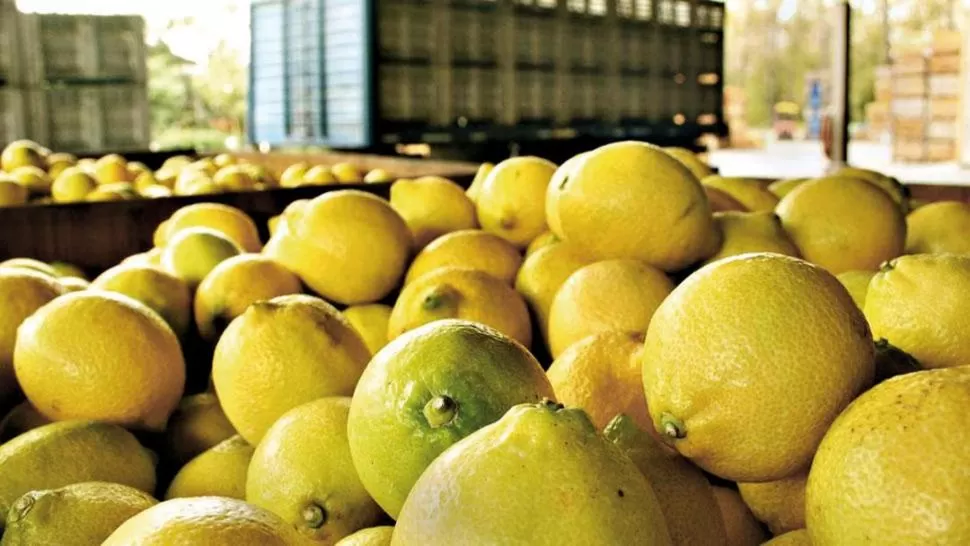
(624, 349)
(29, 173)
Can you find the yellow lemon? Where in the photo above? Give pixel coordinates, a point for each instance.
(543, 273)
(473, 249)
(320, 175)
(741, 526)
(56, 163)
(34, 179)
(72, 185)
(282, 353)
(22, 293)
(916, 304)
(748, 344)
(601, 374)
(110, 169)
(216, 472)
(292, 177)
(204, 521)
(901, 447)
(303, 472)
(432, 206)
(791, 538)
(348, 246)
(843, 224)
(690, 160)
(234, 285)
(510, 203)
(371, 323)
(30, 264)
(64, 269)
(939, 228)
(857, 283)
(547, 238)
(782, 188)
(234, 178)
(347, 173)
(898, 192)
(779, 504)
(165, 294)
(100, 355)
(744, 232)
(375, 536)
(461, 293)
(22, 418)
(476, 186)
(12, 193)
(747, 192)
(554, 192)
(377, 176)
(22, 153)
(610, 295)
(191, 254)
(197, 425)
(230, 221)
(601, 208)
(722, 202)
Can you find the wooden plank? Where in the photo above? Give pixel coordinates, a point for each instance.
(944, 108)
(399, 167)
(945, 64)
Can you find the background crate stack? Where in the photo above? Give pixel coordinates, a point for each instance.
(451, 71)
(878, 118)
(78, 82)
(926, 98)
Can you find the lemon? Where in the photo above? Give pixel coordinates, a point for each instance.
(204, 521)
(461, 293)
(939, 228)
(347, 173)
(292, 177)
(722, 202)
(204, 186)
(197, 425)
(101, 196)
(378, 176)
(22, 293)
(87, 165)
(30, 264)
(609, 501)
(601, 208)
(234, 178)
(152, 258)
(898, 192)
(375, 536)
(234, 285)
(70, 452)
(12, 193)
(610, 295)
(224, 160)
(282, 353)
(34, 179)
(432, 206)
(273, 224)
(547, 238)
(742, 527)
(690, 160)
(56, 163)
(857, 283)
(473, 249)
(319, 175)
(843, 224)
(750, 344)
(302, 471)
(348, 246)
(110, 169)
(782, 188)
(476, 186)
(64, 269)
(176, 162)
(230, 221)
(749, 193)
(779, 504)
(22, 153)
(554, 192)
(216, 472)
(915, 303)
(82, 513)
(543, 273)
(163, 293)
(601, 374)
(191, 254)
(156, 191)
(425, 391)
(136, 169)
(909, 435)
(22, 418)
(744, 232)
(100, 355)
(684, 494)
(511, 202)
(791, 538)
(371, 323)
(73, 284)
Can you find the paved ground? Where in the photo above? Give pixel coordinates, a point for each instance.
(805, 159)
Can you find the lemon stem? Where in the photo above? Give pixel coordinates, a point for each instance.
(440, 411)
(437, 299)
(314, 516)
(672, 427)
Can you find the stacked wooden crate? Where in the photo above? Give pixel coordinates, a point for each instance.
(878, 119)
(926, 94)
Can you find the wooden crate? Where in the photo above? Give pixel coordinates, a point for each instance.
(909, 129)
(946, 42)
(911, 63)
(909, 86)
(399, 167)
(96, 236)
(944, 85)
(941, 150)
(909, 150)
(944, 108)
(943, 129)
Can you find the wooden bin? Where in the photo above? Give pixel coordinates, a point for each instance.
(96, 236)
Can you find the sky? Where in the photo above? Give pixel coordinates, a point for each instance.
(215, 20)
